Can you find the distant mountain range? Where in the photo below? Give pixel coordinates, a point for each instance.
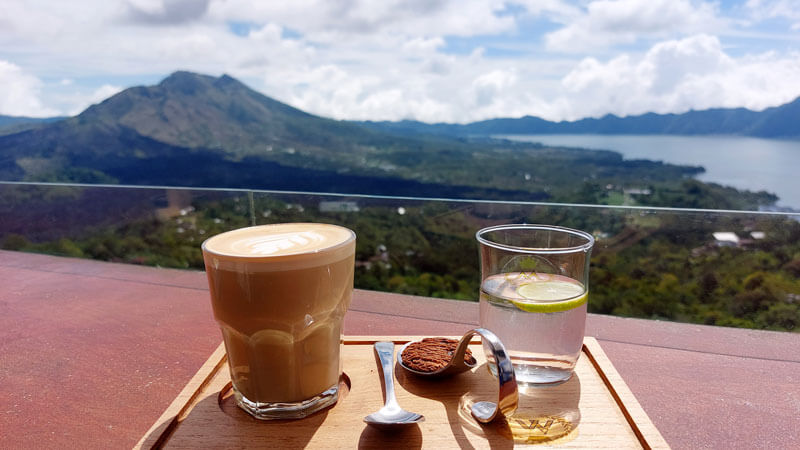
(198, 130)
(778, 122)
(15, 124)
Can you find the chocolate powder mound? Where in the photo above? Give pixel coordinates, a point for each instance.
(432, 354)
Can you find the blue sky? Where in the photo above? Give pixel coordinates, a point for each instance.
(430, 60)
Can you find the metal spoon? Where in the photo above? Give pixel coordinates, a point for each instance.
(391, 414)
(508, 395)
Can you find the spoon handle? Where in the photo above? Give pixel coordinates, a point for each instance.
(508, 393)
(385, 351)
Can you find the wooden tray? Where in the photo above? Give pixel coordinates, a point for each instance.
(594, 409)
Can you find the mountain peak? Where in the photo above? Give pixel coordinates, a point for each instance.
(190, 83)
(227, 79)
(187, 82)
(192, 110)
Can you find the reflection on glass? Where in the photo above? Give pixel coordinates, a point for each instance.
(547, 415)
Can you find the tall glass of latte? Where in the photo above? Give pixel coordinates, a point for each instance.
(279, 293)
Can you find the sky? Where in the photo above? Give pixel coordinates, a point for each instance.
(429, 60)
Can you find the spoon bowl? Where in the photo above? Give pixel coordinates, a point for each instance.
(508, 395)
(389, 417)
(456, 365)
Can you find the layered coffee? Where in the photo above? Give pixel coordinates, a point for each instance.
(279, 293)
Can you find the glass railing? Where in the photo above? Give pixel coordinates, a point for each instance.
(731, 268)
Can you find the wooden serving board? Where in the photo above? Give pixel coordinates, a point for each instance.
(594, 409)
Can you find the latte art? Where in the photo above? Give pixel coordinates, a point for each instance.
(279, 239)
(279, 246)
(278, 243)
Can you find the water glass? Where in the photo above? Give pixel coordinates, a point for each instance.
(534, 291)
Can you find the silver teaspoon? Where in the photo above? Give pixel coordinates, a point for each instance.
(508, 395)
(391, 414)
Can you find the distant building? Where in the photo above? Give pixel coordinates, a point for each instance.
(726, 239)
(178, 203)
(338, 206)
(629, 193)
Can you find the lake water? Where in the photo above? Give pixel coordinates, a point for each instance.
(754, 164)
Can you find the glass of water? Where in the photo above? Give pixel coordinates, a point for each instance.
(534, 290)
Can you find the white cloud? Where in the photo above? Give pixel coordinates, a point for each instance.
(269, 33)
(669, 63)
(678, 75)
(364, 59)
(609, 22)
(82, 102)
(163, 12)
(153, 7)
(423, 45)
(560, 9)
(347, 19)
(768, 9)
(487, 88)
(21, 93)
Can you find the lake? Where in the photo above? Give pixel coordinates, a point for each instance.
(742, 162)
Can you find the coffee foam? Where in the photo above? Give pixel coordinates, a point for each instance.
(284, 246)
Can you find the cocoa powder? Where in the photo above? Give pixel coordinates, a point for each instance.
(432, 354)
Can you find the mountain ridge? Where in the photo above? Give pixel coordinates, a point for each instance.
(775, 122)
(781, 121)
(16, 124)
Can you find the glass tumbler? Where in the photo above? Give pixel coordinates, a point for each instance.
(279, 293)
(534, 290)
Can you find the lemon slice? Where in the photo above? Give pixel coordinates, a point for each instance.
(550, 296)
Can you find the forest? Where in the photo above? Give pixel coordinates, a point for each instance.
(648, 262)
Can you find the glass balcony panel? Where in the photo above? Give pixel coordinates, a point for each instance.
(732, 268)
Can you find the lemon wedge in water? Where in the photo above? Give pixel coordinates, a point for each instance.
(550, 296)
